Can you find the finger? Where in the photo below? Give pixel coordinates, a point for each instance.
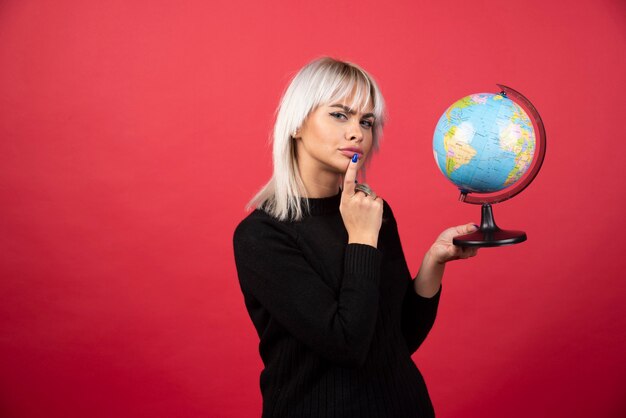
(465, 253)
(467, 228)
(350, 177)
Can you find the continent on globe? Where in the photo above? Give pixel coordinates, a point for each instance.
(468, 101)
(456, 142)
(518, 141)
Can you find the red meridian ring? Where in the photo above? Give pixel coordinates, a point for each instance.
(540, 153)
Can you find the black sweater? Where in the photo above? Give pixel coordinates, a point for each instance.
(337, 322)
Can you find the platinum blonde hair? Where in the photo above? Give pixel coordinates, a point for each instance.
(320, 82)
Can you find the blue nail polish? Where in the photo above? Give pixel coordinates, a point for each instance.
(355, 158)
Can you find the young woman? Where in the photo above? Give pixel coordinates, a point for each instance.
(321, 266)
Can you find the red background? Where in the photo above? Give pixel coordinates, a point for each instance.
(132, 133)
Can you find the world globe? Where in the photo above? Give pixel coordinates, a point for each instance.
(486, 145)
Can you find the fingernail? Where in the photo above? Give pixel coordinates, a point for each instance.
(355, 158)
(477, 227)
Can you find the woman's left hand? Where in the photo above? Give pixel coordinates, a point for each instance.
(443, 250)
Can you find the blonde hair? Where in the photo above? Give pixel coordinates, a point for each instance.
(322, 81)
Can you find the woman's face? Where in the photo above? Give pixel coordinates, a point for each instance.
(332, 134)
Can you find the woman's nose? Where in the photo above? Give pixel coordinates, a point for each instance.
(354, 132)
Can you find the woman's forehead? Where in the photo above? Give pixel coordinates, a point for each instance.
(353, 103)
(352, 109)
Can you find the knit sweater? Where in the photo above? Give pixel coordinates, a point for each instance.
(337, 322)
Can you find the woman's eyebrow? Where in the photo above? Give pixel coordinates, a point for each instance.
(352, 112)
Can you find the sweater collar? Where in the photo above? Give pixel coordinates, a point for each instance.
(323, 205)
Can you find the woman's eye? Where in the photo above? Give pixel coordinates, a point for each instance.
(338, 115)
(367, 123)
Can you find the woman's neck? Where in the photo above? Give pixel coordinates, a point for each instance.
(319, 183)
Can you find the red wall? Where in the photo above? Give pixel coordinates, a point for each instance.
(132, 133)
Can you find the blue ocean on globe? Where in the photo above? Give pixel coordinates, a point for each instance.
(484, 143)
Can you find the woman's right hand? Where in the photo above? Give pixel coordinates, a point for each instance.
(362, 215)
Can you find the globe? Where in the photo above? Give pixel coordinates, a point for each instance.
(486, 145)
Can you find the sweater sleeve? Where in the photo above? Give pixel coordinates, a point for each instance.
(418, 313)
(337, 326)
(418, 316)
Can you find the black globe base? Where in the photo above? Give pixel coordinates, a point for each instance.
(489, 235)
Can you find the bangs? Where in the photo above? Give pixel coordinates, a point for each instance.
(349, 84)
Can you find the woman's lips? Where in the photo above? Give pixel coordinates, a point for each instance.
(349, 153)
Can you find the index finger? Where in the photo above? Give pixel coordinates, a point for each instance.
(349, 179)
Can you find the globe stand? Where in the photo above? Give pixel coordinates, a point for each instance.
(489, 235)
